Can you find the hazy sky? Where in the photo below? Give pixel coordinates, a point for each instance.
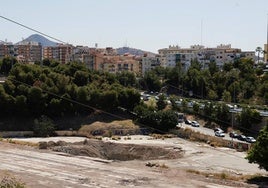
(144, 24)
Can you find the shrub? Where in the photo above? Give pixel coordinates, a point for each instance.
(43, 127)
(11, 182)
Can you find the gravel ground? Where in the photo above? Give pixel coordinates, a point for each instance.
(45, 168)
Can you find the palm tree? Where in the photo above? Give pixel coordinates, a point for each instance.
(259, 51)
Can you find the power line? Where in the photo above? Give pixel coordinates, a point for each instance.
(27, 27)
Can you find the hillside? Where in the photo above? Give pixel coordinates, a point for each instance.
(133, 51)
(40, 39)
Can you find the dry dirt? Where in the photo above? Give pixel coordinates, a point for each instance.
(158, 163)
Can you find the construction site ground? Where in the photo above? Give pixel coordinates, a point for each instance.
(190, 164)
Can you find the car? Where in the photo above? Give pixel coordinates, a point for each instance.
(218, 130)
(195, 124)
(188, 122)
(250, 139)
(233, 134)
(219, 134)
(241, 137)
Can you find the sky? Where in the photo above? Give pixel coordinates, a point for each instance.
(145, 24)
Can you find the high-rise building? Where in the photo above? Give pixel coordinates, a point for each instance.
(29, 52)
(61, 53)
(7, 49)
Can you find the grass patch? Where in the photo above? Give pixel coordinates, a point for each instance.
(9, 181)
(214, 141)
(251, 179)
(162, 136)
(221, 176)
(19, 142)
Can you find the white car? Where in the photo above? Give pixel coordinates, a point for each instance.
(195, 124)
(219, 134)
(250, 139)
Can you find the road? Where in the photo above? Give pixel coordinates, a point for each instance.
(208, 131)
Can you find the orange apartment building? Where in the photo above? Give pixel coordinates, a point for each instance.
(61, 53)
(116, 63)
(7, 50)
(29, 52)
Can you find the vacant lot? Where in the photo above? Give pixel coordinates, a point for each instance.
(47, 168)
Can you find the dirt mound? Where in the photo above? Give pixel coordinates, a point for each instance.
(116, 151)
(123, 127)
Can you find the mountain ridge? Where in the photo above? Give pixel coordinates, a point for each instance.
(40, 39)
(133, 51)
(121, 51)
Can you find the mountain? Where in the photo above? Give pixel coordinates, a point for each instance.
(133, 51)
(39, 38)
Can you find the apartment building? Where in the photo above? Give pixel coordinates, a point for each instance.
(116, 63)
(220, 54)
(29, 52)
(7, 49)
(149, 62)
(61, 53)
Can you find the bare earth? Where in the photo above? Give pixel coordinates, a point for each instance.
(46, 168)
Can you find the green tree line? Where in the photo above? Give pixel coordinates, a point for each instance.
(55, 89)
(240, 82)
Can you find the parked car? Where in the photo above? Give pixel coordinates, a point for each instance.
(250, 139)
(188, 122)
(233, 134)
(195, 124)
(219, 134)
(241, 137)
(218, 130)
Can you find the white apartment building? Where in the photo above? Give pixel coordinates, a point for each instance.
(221, 54)
(148, 63)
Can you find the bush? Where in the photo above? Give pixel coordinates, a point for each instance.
(11, 182)
(43, 127)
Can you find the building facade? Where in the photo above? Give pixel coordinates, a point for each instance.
(29, 52)
(61, 53)
(220, 55)
(7, 49)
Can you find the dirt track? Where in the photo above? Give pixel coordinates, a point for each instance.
(44, 168)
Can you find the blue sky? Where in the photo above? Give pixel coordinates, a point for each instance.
(144, 24)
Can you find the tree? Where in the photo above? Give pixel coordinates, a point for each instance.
(128, 98)
(7, 64)
(259, 51)
(212, 67)
(161, 103)
(222, 113)
(108, 100)
(152, 81)
(126, 78)
(43, 126)
(248, 117)
(168, 120)
(212, 95)
(259, 152)
(226, 96)
(36, 101)
(81, 78)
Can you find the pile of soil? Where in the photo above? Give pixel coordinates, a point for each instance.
(116, 151)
